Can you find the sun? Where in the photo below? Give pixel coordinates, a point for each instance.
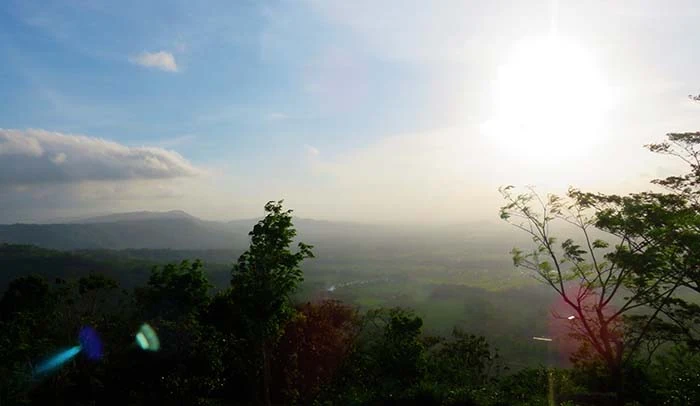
(549, 101)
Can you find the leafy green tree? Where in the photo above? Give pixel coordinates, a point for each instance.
(28, 294)
(40, 319)
(184, 371)
(25, 332)
(95, 288)
(175, 290)
(262, 281)
(387, 362)
(314, 346)
(661, 235)
(400, 352)
(588, 277)
(461, 369)
(654, 265)
(528, 387)
(676, 376)
(465, 360)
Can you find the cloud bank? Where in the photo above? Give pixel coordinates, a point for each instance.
(36, 156)
(158, 60)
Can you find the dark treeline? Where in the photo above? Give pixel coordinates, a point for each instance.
(246, 345)
(251, 345)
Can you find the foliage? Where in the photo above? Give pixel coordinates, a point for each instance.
(587, 276)
(464, 361)
(653, 263)
(264, 278)
(313, 347)
(37, 318)
(216, 347)
(22, 260)
(661, 235)
(174, 290)
(676, 376)
(268, 272)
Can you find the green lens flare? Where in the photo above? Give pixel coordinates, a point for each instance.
(141, 341)
(147, 339)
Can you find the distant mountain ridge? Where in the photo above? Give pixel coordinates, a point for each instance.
(136, 216)
(173, 229)
(154, 234)
(179, 230)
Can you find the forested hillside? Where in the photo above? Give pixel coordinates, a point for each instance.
(22, 260)
(470, 298)
(254, 342)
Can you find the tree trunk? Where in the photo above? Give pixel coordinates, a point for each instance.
(617, 376)
(266, 376)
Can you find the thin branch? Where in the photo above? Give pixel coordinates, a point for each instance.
(648, 324)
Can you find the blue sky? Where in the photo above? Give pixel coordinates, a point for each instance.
(351, 110)
(244, 79)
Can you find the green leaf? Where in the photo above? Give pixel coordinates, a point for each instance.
(545, 266)
(600, 244)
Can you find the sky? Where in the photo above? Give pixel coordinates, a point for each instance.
(394, 111)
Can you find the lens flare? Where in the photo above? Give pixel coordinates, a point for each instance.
(58, 360)
(90, 343)
(147, 339)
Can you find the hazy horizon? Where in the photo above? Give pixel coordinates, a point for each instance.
(151, 214)
(373, 112)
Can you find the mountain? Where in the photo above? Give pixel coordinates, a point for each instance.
(137, 216)
(182, 231)
(152, 230)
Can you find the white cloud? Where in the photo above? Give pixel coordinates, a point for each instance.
(59, 158)
(14, 143)
(38, 156)
(159, 60)
(311, 151)
(48, 175)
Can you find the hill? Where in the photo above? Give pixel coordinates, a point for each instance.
(136, 216)
(175, 233)
(445, 295)
(23, 260)
(180, 230)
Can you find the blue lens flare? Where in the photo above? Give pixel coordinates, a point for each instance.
(90, 342)
(58, 360)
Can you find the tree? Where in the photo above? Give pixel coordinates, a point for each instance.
(400, 353)
(315, 344)
(175, 290)
(661, 232)
(466, 360)
(95, 289)
(185, 369)
(677, 376)
(37, 320)
(25, 331)
(389, 359)
(26, 294)
(590, 277)
(264, 278)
